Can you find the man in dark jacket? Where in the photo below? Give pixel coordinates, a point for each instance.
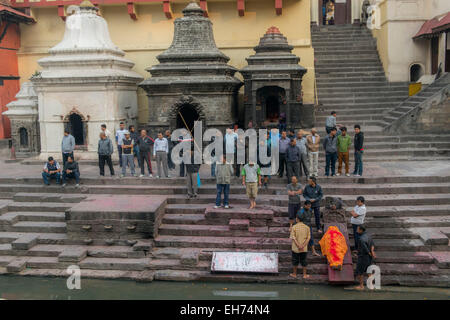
(359, 149)
(105, 150)
(313, 192)
(51, 170)
(330, 147)
(170, 163)
(366, 254)
(305, 215)
(192, 170)
(135, 137)
(293, 160)
(71, 171)
(145, 144)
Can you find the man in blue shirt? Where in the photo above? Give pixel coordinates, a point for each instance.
(283, 143)
(52, 170)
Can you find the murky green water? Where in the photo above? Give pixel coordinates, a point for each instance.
(15, 287)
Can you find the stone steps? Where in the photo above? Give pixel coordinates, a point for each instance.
(38, 227)
(43, 238)
(15, 216)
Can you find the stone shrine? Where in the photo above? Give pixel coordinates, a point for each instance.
(193, 80)
(85, 81)
(273, 85)
(23, 114)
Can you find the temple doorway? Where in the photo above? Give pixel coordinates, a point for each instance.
(76, 128)
(186, 116)
(23, 135)
(270, 99)
(332, 12)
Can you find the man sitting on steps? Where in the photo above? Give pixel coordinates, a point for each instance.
(52, 170)
(71, 171)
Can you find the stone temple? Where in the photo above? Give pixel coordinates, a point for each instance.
(273, 84)
(85, 81)
(193, 80)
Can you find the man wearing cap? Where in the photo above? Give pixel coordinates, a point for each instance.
(127, 154)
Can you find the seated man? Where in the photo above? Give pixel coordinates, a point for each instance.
(334, 211)
(71, 170)
(52, 170)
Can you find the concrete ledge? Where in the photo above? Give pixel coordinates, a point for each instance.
(72, 255)
(25, 242)
(17, 265)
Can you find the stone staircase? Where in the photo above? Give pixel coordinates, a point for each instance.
(351, 81)
(408, 218)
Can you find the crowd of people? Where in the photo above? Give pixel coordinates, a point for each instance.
(298, 156)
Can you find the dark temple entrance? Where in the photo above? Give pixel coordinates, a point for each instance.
(189, 115)
(333, 12)
(271, 98)
(76, 128)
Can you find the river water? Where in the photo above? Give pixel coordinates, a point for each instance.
(17, 287)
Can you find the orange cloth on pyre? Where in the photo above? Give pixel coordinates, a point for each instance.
(333, 246)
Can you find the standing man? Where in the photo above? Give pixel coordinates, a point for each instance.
(52, 170)
(120, 134)
(251, 178)
(71, 171)
(359, 149)
(127, 155)
(283, 145)
(330, 146)
(160, 151)
(366, 254)
(300, 235)
(223, 173)
(294, 190)
(105, 131)
(171, 144)
(145, 144)
(313, 143)
(293, 160)
(135, 137)
(305, 215)
(105, 150)
(343, 145)
(301, 145)
(358, 215)
(192, 170)
(331, 122)
(67, 146)
(313, 192)
(231, 138)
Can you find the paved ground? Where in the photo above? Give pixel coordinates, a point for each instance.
(371, 169)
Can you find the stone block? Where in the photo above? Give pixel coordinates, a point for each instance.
(25, 242)
(143, 245)
(431, 236)
(239, 224)
(72, 254)
(190, 257)
(17, 265)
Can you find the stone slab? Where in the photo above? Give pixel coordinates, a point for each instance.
(17, 265)
(190, 257)
(72, 254)
(441, 258)
(25, 242)
(251, 262)
(431, 236)
(239, 224)
(341, 277)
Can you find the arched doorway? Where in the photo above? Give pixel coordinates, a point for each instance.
(23, 136)
(415, 72)
(76, 128)
(272, 108)
(271, 99)
(186, 116)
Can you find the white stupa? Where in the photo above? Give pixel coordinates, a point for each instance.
(85, 82)
(23, 114)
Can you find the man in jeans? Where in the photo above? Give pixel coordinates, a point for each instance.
(294, 190)
(305, 215)
(343, 145)
(120, 134)
(330, 146)
(283, 144)
(160, 151)
(145, 144)
(67, 146)
(301, 145)
(313, 192)
(71, 171)
(192, 170)
(170, 163)
(313, 143)
(105, 150)
(359, 149)
(358, 214)
(293, 160)
(135, 136)
(52, 170)
(223, 173)
(127, 155)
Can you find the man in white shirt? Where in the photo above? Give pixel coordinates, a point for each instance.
(230, 145)
(105, 131)
(120, 134)
(358, 214)
(160, 151)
